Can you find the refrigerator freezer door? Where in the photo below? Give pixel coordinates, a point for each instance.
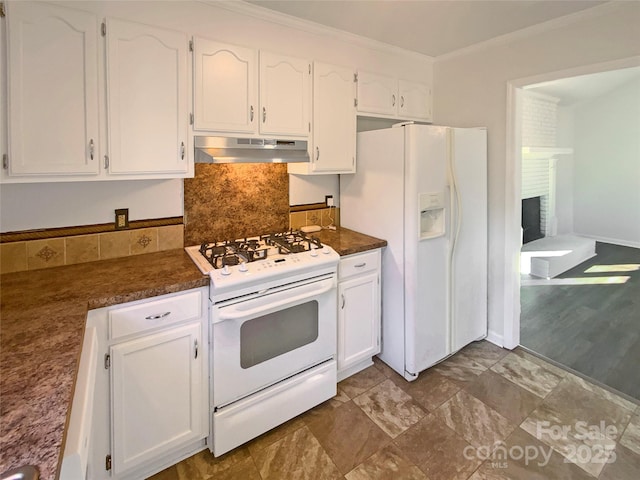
(469, 246)
(427, 328)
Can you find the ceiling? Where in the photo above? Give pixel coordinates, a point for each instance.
(574, 90)
(430, 27)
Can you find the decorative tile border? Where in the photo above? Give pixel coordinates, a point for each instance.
(27, 235)
(19, 256)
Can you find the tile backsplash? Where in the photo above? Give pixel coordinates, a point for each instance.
(229, 201)
(323, 217)
(54, 252)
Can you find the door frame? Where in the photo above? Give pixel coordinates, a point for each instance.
(513, 186)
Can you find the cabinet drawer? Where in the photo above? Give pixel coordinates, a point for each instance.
(359, 263)
(153, 314)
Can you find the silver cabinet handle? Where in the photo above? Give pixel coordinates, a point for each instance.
(182, 151)
(402, 100)
(159, 315)
(393, 100)
(317, 153)
(264, 114)
(195, 348)
(360, 265)
(343, 301)
(91, 148)
(251, 114)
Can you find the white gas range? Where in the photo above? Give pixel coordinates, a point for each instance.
(273, 331)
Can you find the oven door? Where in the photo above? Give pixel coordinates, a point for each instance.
(261, 340)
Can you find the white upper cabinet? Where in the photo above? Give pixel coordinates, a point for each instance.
(377, 94)
(147, 99)
(285, 91)
(225, 83)
(238, 90)
(415, 100)
(53, 91)
(333, 146)
(385, 96)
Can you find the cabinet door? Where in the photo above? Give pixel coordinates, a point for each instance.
(334, 119)
(156, 393)
(147, 99)
(225, 87)
(285, 95)
(415, 100)
(358, 319)
(53, 90)
(377, 94)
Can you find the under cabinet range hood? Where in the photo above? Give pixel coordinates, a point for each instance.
(249, 150)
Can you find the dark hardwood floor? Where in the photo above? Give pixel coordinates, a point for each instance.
(591, 328)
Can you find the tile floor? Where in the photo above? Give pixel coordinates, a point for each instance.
(485, 413)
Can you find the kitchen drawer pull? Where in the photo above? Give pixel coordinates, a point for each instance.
(264, 114)
(317, 153)
(343, 301)
(360, 265)
(195, 348)
(182, 151)
(251, 114)
(159, 315)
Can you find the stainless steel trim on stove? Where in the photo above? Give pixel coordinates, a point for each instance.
(249, 150)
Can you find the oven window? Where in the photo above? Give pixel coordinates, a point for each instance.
(268, 336)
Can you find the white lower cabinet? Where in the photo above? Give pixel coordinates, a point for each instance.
(151, 395)
(358, 312)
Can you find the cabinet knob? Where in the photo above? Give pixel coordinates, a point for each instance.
(343, 301)
(182, 150)
(195, 348)
(317, 153)
(264, 114)
(91, 148)
(251, 114)
(402, 101)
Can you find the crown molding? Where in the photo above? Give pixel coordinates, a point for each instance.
(262, 13)
(564, 21)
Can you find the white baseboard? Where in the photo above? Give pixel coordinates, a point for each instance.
(615, 241)
(494, 338)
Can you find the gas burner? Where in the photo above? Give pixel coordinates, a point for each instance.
(246, 250)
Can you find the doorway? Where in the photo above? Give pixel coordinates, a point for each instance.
(574, 309)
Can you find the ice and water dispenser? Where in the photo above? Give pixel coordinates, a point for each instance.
(432, 215)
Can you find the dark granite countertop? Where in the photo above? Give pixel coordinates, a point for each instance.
(347, 242)
(43, 315)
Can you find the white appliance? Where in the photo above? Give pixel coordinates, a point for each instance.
(273, 318)
(423, 189)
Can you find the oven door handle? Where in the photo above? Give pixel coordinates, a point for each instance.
(240, 311)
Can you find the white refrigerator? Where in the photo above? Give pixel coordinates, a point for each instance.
(423, 189)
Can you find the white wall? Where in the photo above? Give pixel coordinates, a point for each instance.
(471, 89)
(215, 22)
(607, 166)
(564, 172)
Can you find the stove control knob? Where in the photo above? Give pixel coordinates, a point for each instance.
(243, 267)
(225, 270)
(314, 252)
(326, 251)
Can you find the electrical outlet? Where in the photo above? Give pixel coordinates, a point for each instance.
(122, 218)
(328, 200)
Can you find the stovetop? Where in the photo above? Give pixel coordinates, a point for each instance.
(256, 261)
